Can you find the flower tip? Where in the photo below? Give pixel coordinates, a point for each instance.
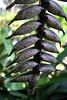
(9, 37)
(9, 64)
(11, 53)
(66, 18)
(8, 74)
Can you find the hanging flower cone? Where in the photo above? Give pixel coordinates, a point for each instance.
(23, 58)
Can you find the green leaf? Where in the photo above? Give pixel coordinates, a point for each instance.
(62, 55)
(1, 48)
(3, 57)
(55, 79)
(1, 67)
(59, 97)
(50, 90)
(58, 79)
(18, 94)
(5, 96)
(7, 43)
(62, 89)
(43, 81)
(64, 38)
(13, 86)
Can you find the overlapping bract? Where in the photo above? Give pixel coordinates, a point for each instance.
(48, 46)
(27, 27)
(21, 2)
(53, 22)
(50, 35)
(25, 54)
(23, 57)
(27, 13)
(54, 8)
(48, 57)
(24, 43)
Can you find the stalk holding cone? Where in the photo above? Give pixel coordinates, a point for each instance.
(27, 27)
(27, 13)
(20, 2)
(32, 83)
(54, 8)
(31, 89)
(24, 43)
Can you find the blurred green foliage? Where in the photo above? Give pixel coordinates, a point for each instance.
(52, 86)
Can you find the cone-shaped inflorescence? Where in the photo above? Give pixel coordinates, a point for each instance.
(23, 60)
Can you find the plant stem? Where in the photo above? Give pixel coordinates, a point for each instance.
(39, 35)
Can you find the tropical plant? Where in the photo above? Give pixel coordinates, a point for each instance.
(35, 65)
